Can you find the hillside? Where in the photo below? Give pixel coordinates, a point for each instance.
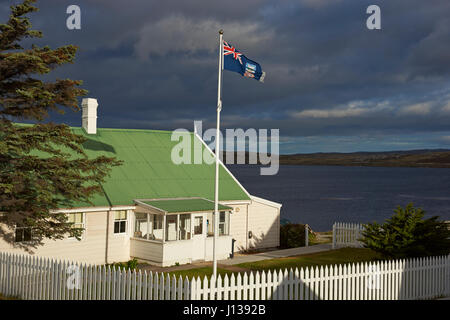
(432, 158)
(416, 158)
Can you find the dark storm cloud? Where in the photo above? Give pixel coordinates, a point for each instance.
(153, 64)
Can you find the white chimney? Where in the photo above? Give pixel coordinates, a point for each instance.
(89, 117)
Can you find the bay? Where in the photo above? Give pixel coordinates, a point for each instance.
(322, 195)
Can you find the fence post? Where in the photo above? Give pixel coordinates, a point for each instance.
(306, 235)
(8, 276)
(334, 236)
(447, 275)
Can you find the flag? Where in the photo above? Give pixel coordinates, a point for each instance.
(237, 62)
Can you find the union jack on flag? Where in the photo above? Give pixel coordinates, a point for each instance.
(230, 50)
(235, 61)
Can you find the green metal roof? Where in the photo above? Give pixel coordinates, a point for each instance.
(148, 171)
(184, 205)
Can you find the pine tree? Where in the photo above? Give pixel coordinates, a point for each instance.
(38, 170)
(408, 234)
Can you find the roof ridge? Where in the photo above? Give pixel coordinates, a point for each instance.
(139, 130)
(114, 129)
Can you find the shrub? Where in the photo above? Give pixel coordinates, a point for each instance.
(292, 235)
(408, 234)
(130, 264)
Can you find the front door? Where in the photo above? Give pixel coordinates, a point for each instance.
(198, 236)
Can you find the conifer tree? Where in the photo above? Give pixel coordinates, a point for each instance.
(408, 234)
(42, 166)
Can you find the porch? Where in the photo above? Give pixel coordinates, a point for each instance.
(181, 230)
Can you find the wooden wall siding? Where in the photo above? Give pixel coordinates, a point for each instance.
(178, 252)
(264, 223)
(146, 250)
(223, 247)
(238, 226)
(181, 252)
(38, 278)
(92, 247)
(259, 218)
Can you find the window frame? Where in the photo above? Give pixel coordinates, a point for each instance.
(83, 223)
(153, 219)
(226, 223)
(210, 226)
(23, 228)
(187, 231)
(201, 226)
(158, 226)
(120, 221)
(166, 227)
(137, 222)
(158, 222)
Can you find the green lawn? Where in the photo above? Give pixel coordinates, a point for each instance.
(339, 256)
(321, 237)
(200, 272)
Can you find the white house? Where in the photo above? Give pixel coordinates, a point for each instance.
(154, 210)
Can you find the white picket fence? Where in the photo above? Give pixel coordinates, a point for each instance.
(347, 234)
(40, 278)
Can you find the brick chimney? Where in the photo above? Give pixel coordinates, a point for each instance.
(89, 117)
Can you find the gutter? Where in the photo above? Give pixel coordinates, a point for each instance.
(107, 225)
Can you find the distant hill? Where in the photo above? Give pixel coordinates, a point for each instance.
(433, 158)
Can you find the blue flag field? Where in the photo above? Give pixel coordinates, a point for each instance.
(237, 62)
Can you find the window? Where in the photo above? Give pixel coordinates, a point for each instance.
(185, 227)
(157, 221)
(171, 228)
(120, 221)
(224, 223)
(140, 225)
(148, 226)
(77, 220)
(224, 218)
(210, 224)
(198, 225)
(157, 232)
(23, 234)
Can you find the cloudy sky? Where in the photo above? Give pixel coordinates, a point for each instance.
(331, 84)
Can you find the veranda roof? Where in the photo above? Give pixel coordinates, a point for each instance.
(183, 205)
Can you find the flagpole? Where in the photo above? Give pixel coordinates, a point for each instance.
(216, 188)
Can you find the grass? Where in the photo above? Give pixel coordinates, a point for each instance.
(339, 256)
(2, 297)
(200, 272)
(321, 238)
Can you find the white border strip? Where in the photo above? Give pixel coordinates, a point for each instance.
(267, 202)
(93, 209)
(143, 204)
(220, 161)
(236, 203)
(146, 205)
